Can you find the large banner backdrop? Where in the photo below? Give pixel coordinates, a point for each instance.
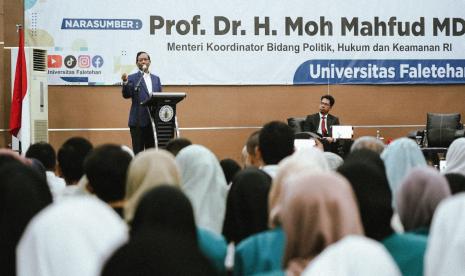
(244, 42)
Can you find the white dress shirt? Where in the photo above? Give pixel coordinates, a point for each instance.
(148, 82)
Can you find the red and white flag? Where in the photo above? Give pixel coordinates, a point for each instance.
(19, 114)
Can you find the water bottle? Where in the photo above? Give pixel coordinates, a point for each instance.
(425, 138)
(378, 136)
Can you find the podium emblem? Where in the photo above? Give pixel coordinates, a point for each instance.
(166, 113)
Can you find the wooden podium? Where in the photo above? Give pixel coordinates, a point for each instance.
(162, 109)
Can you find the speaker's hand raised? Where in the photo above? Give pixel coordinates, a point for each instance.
(124, 77)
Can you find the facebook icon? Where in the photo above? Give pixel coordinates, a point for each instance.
(97, 61)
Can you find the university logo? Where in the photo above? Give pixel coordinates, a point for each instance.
(166, 113)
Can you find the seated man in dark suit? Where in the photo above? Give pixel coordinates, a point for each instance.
(322, 123)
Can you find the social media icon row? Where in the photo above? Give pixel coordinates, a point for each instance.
(70, 61)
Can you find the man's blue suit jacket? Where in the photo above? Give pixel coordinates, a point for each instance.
(129, 92)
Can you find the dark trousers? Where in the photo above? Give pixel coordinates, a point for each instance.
(142, 138)
(341, 147)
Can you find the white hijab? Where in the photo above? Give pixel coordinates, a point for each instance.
(204, 184)
(446, 241)
(73, 237)
(399, 158)
(455, 157)
(353, 255)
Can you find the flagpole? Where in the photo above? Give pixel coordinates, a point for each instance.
(19, 90)
(19, 27)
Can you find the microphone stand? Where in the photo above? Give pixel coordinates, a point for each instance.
(137, 87)
(136, 99)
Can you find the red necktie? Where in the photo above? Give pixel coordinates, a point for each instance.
(323, 126)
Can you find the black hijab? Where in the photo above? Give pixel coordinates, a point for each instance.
(158, 253)
(366, 156)
(247, 205)
(372, 191)
(23, 193)
(456, 182)
(164, 208)
(230, 169)
(163, 239)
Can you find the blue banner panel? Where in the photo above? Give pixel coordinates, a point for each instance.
(366, 71)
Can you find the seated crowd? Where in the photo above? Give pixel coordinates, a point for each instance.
(180, 211)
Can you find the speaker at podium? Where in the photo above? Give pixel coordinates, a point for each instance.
(162, 109)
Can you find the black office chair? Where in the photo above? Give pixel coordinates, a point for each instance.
(443, 129)
(296, 123)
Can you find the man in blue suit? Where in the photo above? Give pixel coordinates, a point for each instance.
(139, 87)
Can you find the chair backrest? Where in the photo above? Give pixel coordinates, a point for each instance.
(442, 128)
(296, 123)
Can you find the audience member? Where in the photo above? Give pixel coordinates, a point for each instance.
(444, 254)
(399, 158)
(8, 156)
(158, 253)
(23, 193)
(275, 142)
(365, 171)
(373, 195)
(230, 169)
(128, 150)
(167, 209)
(38, 167)
(368, 142)
(366, 156)
(71, 237)
(45, 153)
(174, 146)
(204, 184)
(318, 210)
(352, 254)
(334, 160)
(254, 157)
(309, 160)
(456, 182)
(263, 252)
(244, 157)
(455, 157)
(70, 158)
(148, 169)
(106, 169)
(418, 196)
(247, 205)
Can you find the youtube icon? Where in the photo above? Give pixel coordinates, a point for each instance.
(54, 61)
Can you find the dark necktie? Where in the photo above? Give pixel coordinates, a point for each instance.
(323, 126)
